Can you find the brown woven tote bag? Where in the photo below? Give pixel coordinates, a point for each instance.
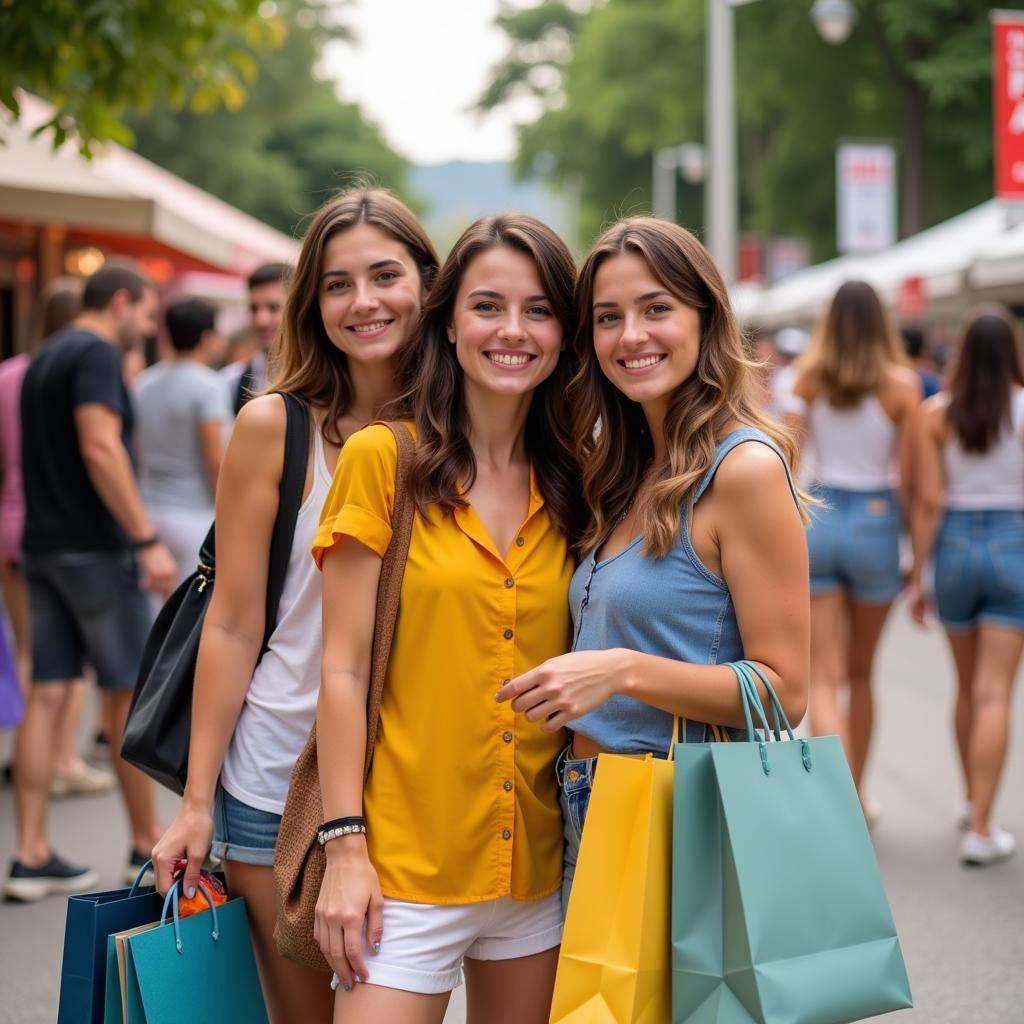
(299, 860)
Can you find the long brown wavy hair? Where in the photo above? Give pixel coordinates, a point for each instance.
(304, 361)
(612, 438)
(432, 388)
(981, 381)
(853, 346)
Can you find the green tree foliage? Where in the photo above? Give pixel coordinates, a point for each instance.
(95, 59)
(915, 71)
(291, 145)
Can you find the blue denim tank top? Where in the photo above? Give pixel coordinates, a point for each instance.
(671, 607)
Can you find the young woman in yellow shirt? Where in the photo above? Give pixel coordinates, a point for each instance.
(460, 865)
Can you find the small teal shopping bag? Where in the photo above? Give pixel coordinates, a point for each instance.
(91, 918)
(198, 970)
(779, 915)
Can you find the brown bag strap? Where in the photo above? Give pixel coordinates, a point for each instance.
(389, 589)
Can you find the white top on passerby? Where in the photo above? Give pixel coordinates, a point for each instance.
(280, 705)
(854, 449)
(171, 400)
(992, 479)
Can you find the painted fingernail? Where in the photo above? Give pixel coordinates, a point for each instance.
(376, 947)
(191, 894)
(346, 986)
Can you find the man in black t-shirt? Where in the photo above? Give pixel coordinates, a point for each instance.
(86, 539)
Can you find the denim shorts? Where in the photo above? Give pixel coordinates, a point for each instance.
(242, 833)
(979, 570)
(575, 783)
(854, 544)
(86, 607)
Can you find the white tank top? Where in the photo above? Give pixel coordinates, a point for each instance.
(854, 449)
(993, 479)
(280, 705)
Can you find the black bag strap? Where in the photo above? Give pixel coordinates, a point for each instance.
(293, 482)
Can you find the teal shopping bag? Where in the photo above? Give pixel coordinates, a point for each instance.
(779, 915)
(198, 970)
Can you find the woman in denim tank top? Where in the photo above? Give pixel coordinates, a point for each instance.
(695, 553)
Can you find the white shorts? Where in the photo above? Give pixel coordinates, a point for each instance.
(424, 944)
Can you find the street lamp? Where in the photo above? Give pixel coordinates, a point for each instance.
(834, 20)
(688, 160)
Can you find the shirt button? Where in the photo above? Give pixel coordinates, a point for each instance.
(507, 786)
(510, 583)
(507, 737)
(506, 834)
(507, 634)
(520, 541)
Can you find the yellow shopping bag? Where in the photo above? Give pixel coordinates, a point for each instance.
(614, 966)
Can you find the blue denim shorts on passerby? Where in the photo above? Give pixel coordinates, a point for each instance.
(86, 607)
(575, 782)
(242, 833)
(854, 544)
(979, 570)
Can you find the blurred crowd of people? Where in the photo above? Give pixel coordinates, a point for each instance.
(903, 439)
(155, 437)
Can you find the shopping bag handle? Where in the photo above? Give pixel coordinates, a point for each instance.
(778, 714)
(748, 691)
(171, 900)
(138, 878)
(751, 701)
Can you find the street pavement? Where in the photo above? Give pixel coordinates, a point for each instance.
(962, 929)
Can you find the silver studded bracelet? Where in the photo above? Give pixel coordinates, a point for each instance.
(327, 835)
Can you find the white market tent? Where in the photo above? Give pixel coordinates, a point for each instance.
(976, 255)
(119, 191)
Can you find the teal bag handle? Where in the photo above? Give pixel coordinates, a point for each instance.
(750, 696)
(138, 878)
(171, 900)
(778, 714)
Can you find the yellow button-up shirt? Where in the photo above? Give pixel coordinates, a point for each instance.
(461, 803)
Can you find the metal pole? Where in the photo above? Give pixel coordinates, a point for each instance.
(665, 170)
(721, 196)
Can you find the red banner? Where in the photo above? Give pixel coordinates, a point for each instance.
(1008, 105)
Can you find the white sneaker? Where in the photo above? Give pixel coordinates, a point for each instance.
(84, 779)
(963, 817)
(981, 850)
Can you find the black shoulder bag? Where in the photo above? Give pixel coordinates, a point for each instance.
(159, 726)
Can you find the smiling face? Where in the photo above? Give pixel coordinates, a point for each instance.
(646, 339)
(506, 335)
(369, 293)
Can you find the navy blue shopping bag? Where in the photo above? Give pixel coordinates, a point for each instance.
(91, 918)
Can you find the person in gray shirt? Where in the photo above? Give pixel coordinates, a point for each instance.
(183, 411)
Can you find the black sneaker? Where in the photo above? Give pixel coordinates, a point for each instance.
(56, 876)
(136, 860)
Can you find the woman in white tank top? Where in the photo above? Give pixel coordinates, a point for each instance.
(854, 396)
(354, 299)
(969, 515)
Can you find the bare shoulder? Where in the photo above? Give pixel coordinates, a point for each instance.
(262, 418)
(749, 471)
(256, 446)
(905, 381)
